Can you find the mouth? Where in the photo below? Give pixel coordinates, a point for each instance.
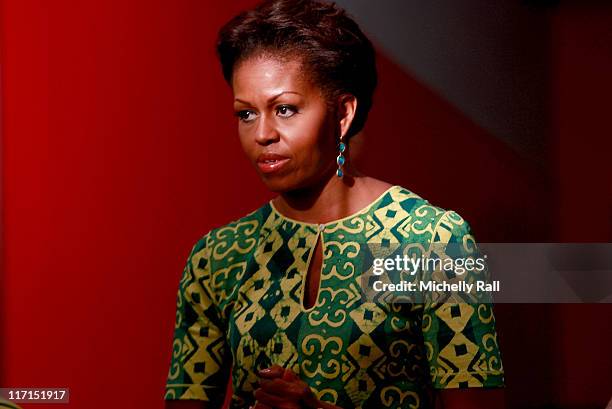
(268, 165)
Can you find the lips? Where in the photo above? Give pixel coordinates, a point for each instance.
(271, 162)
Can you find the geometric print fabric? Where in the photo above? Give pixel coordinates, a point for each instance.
(240, 306)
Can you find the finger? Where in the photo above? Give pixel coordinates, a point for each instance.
(290, 406)
(275, 401)
(279, 388)
(275, 371)
(267, 399)
(289, 375)
(295, 390)
(259, 405)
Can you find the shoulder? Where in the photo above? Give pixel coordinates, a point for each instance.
(235, 235)
(218, 258)
(422, 216)
(244, 228)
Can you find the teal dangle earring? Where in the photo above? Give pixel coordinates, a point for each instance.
(340, 159)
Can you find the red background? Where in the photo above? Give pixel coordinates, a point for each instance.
(119, 151)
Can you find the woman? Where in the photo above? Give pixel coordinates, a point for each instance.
(276, 295)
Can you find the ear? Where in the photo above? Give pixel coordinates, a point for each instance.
(347, 107)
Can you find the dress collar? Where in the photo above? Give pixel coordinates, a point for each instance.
(320, 226)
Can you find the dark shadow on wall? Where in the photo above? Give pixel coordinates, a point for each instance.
(419, 140)
(502, 184)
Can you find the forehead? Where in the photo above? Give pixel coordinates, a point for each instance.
(269, 75)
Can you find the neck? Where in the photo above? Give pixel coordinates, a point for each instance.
(331, 199)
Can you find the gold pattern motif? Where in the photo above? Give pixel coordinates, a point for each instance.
(239, 301)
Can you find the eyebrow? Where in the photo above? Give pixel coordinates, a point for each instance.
(271, 99)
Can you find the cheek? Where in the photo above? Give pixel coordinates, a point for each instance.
(311, 138)
(246, 141)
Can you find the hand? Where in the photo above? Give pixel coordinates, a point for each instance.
(281, 388)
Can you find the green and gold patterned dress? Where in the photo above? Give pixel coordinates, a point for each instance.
(5, 404)
(240, 307)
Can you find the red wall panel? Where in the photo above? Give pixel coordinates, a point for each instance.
(119, 151)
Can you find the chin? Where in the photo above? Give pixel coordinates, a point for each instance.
(282, 183)
(278, 184)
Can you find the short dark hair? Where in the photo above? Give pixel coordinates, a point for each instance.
(340, 58)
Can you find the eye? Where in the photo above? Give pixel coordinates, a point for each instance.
(246, 115)
(286, 111)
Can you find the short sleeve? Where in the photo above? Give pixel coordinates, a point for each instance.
(198, 368)
(460, 337)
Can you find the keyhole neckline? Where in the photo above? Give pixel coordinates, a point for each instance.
(318, 241)
(322, 226)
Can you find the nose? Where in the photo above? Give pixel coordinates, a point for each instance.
(266, 132)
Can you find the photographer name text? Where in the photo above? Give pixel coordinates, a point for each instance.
(437, 286)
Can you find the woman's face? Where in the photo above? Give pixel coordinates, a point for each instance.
(286, 128)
